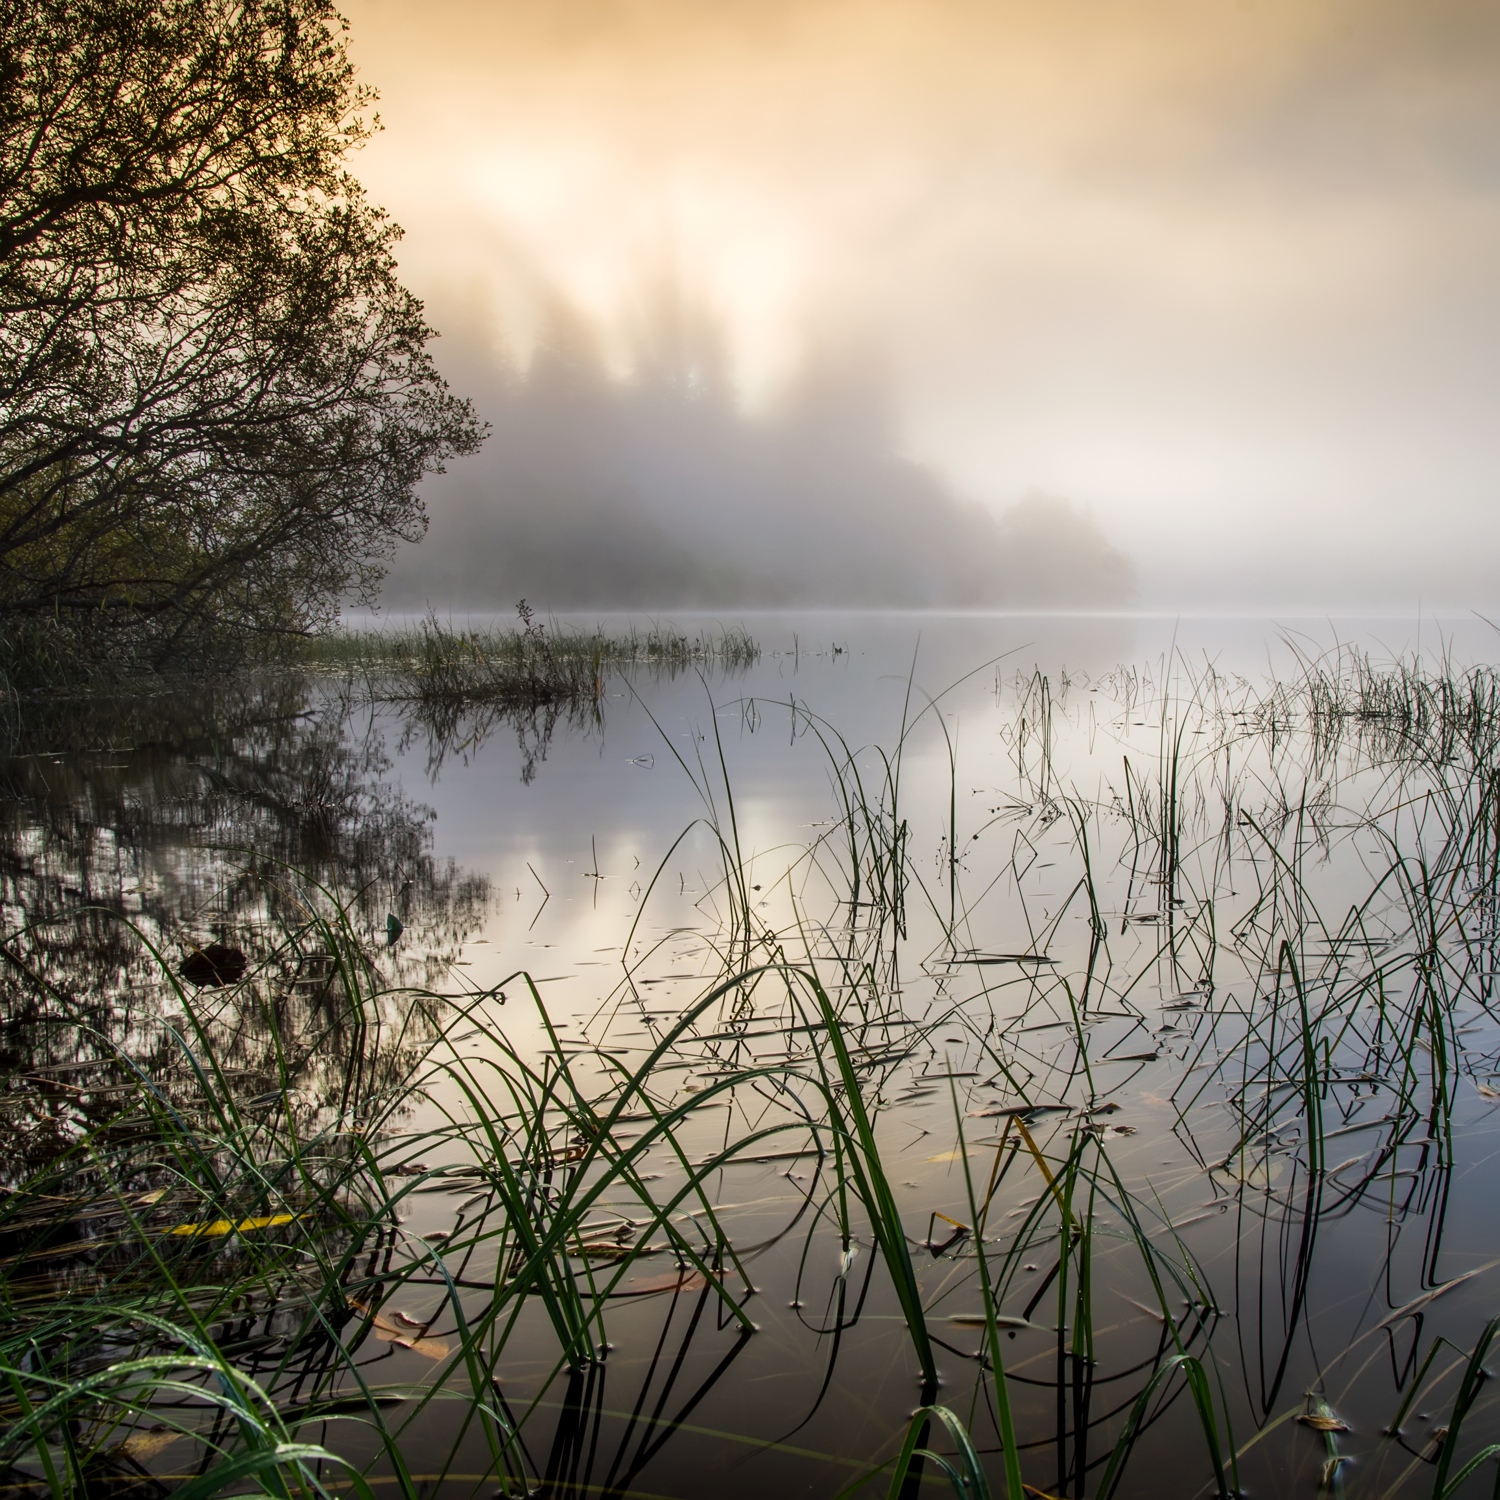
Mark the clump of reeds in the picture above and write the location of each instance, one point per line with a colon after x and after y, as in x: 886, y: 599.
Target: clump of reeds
x: 526, y: 665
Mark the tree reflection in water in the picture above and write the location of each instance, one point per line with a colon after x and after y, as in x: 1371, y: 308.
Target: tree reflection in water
x: 159, y: 825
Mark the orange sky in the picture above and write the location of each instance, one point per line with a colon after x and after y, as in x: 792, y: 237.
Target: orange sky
x: 1226, y: 271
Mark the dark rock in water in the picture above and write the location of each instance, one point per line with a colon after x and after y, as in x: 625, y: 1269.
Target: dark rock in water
x: 214, y: 965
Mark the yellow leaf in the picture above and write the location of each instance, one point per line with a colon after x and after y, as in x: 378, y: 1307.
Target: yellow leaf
x: 233, y: 1226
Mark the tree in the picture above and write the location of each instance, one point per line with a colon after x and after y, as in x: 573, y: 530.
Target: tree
x: 216, y: 400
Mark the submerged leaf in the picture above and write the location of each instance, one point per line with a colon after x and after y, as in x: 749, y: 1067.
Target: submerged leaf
x: 1002, y: 1320
x: 680, y: 1281
x: 143, y: 1445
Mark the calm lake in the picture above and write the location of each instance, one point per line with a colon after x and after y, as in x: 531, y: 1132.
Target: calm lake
x: 1117, y: 992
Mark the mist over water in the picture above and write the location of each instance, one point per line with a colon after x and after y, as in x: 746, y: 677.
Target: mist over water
x: 656, y: 488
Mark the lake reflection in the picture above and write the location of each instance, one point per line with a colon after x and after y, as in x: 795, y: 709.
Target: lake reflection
x: 1133, y: 881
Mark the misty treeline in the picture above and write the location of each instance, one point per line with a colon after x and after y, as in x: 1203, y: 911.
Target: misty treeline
x: 655, y: 487
x: 215, y: 396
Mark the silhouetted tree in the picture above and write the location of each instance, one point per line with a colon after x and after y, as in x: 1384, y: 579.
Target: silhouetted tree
x: 215, y: 395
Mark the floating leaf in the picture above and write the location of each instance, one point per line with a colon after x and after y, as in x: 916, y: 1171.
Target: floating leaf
x: 1002, y: 1320
x: 235, y: 1226
x: 683, y: 1281
x: 604, y: 1250
x: 1323, y: 1421
x: 389, y: 1333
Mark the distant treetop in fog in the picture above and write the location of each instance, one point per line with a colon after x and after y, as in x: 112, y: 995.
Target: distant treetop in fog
x: 659, y: 490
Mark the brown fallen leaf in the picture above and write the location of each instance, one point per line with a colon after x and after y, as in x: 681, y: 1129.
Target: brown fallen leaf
x: 603, y: 1250
x: 389, y: 1333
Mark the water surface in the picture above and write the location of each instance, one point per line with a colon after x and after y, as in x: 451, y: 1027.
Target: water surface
x: 1150, y: 932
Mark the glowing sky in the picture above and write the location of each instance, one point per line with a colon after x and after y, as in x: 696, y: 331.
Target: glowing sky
x: 1225, y: 271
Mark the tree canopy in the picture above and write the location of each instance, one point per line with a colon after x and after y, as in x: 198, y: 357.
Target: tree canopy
x: 216, y: 399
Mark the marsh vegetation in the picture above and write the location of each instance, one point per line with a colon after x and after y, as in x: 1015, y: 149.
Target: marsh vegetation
x: 1114, y: 1142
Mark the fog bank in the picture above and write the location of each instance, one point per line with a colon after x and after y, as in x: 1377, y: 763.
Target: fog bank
x: 656, y: 489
